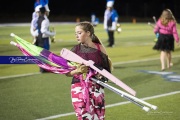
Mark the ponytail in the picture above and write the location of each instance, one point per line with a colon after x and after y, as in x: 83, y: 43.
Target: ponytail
x: 95, y: 39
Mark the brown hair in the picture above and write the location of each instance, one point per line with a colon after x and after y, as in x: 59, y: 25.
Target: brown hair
x: 166, y: 17
x: 87, y: 26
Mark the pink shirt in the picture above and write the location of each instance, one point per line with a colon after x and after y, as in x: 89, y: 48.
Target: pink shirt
x: 169, y: 29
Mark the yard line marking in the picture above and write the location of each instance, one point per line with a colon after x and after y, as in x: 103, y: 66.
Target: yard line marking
x: 111, y: 105
x: 146, y: 98
x: 21, y: 75
x: 144, y: 60
x: 57, y: 116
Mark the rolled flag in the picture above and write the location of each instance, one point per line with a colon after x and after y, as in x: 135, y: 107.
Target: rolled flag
x: 42, y: 57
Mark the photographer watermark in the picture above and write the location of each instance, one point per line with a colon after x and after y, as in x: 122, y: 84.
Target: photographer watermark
x: 18, y: 59
x: 160, y: 113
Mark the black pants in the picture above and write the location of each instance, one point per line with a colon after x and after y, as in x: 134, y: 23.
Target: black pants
x: 44, y: 43
x: 111, y: 38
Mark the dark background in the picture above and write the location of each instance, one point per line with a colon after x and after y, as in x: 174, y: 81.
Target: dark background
x: 69, y: 10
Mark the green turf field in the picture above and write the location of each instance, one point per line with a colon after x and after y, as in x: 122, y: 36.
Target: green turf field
x: 44, y: 95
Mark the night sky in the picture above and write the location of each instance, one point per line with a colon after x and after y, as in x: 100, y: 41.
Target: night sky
x: 125, y: 8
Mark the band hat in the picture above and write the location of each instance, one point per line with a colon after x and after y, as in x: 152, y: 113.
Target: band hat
x: 47, y: 8
x: 110, y: 3
x: 37, y: 9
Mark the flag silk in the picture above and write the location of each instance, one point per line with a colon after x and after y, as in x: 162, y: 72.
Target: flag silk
x: 44, y: 58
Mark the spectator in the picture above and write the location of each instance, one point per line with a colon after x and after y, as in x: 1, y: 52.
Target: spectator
x: 166, y: 27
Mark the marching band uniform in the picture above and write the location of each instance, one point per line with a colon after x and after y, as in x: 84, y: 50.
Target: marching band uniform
x: 110, y: 22
x: 43, y: 30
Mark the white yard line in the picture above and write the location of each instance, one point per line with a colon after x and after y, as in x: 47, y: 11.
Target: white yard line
x: 144, y: 60
x: 21, y: 75
x: 111, y: 105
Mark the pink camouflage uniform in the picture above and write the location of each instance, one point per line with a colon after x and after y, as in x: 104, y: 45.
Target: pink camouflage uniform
x: 87, y: 96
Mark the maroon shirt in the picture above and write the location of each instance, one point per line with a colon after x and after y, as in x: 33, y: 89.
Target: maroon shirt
x: 88, y: 53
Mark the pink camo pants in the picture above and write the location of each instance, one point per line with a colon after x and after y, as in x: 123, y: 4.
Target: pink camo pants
x: 97, y: 102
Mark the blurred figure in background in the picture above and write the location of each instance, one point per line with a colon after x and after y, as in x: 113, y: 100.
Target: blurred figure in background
x: 33, y: 28
x: 36, y: 4
x: 110, y: 21
x: 43, y: 30
x: 94, y: 20
x: 166, y: 27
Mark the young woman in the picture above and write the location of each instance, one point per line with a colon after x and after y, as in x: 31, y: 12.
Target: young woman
x: 166, y: 27
x: 88, y: 101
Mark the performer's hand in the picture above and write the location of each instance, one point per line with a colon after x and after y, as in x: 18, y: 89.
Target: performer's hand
x: 98, y: 76
x: 34, y: 41
x: 52, y: 39
x: 82, y: 68
x: 53, y: 36
x: 101, y: 78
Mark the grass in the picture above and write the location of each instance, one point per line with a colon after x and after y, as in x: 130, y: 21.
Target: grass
x: 43, y: 95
